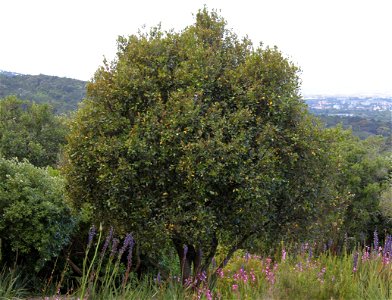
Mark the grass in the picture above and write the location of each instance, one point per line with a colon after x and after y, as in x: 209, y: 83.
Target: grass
x: 299, y: 276
x: 361, y: 274
x: 12, y: 286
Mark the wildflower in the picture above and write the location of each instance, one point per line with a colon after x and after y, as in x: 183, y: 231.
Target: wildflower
x: 320, y: 275
x: 127, y: 241
x: 310, y: 254
x: 366, y: 254
x: 202, y: 276
x: 91, y: 234
x: 268, y: 261
x: 245, y: 278
x: 188, y: 281
x: 236, y: 276
x: 386, y: 259
x: 158, y: 279
x: 114, y: 247
x: 208, y: 294
x: 235, y: 287
x: 247, y: 256
x: 355, y: 262
x: 298, y: 267
x: 275, y: 267
x: 252, y: 275
x: 388, y: 245
x: 306, y: 246
x: 107, y: 241
x: 284, y: 253
x: 271, y: 277
x: 387, y: 251
x: 220, y: 273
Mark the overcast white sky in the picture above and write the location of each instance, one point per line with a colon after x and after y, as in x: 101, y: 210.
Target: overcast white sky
x: 342, y: 46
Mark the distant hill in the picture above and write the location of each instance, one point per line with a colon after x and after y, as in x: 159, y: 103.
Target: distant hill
x: 63, y: 94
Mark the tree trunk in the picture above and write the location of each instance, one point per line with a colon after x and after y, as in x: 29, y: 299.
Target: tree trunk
x: 197, y: 268
x: 190, y: 260
x: 184, y: 258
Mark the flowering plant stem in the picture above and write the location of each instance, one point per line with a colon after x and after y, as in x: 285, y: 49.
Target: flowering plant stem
x: 86, y: 274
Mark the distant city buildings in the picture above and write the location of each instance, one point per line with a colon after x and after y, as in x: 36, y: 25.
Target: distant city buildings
x: 349, y: 103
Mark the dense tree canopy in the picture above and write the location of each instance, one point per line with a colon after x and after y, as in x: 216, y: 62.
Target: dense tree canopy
x: 197, y: 138
x: 365, y: 169
x: 30, y: 131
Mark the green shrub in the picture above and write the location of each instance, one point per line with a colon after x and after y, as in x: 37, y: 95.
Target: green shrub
x: 35, y: 223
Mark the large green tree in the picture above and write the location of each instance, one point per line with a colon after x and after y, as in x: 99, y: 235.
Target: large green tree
x: 30, y: 131
x: 197, y: 138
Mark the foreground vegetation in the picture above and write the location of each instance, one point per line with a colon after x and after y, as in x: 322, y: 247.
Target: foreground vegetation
x: 300, y: 272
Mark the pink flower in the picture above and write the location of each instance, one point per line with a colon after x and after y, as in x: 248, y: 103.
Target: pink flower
x: 220, y: 273
x: 208, y: 294
x: 252, y: 274
x: 366, y: 254
x: 320, y: 275
x: 284, y: 253
x: 235, y: 287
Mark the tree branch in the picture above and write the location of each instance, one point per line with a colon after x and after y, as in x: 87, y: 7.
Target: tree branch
x: 234, y: 248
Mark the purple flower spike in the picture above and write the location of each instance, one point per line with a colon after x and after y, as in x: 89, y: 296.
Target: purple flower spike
x: 310, y: 254
x: 114, y: 247
x: 127, y: 242
x: 107, y: 241
x: 159, y: 278
x: 355, y: 262
x: 247, y: 256
x: 91, y: 234
x: 388, y: 245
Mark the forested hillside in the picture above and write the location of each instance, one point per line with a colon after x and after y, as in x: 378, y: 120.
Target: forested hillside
x: 63, y: 94
x: 362, y: 127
